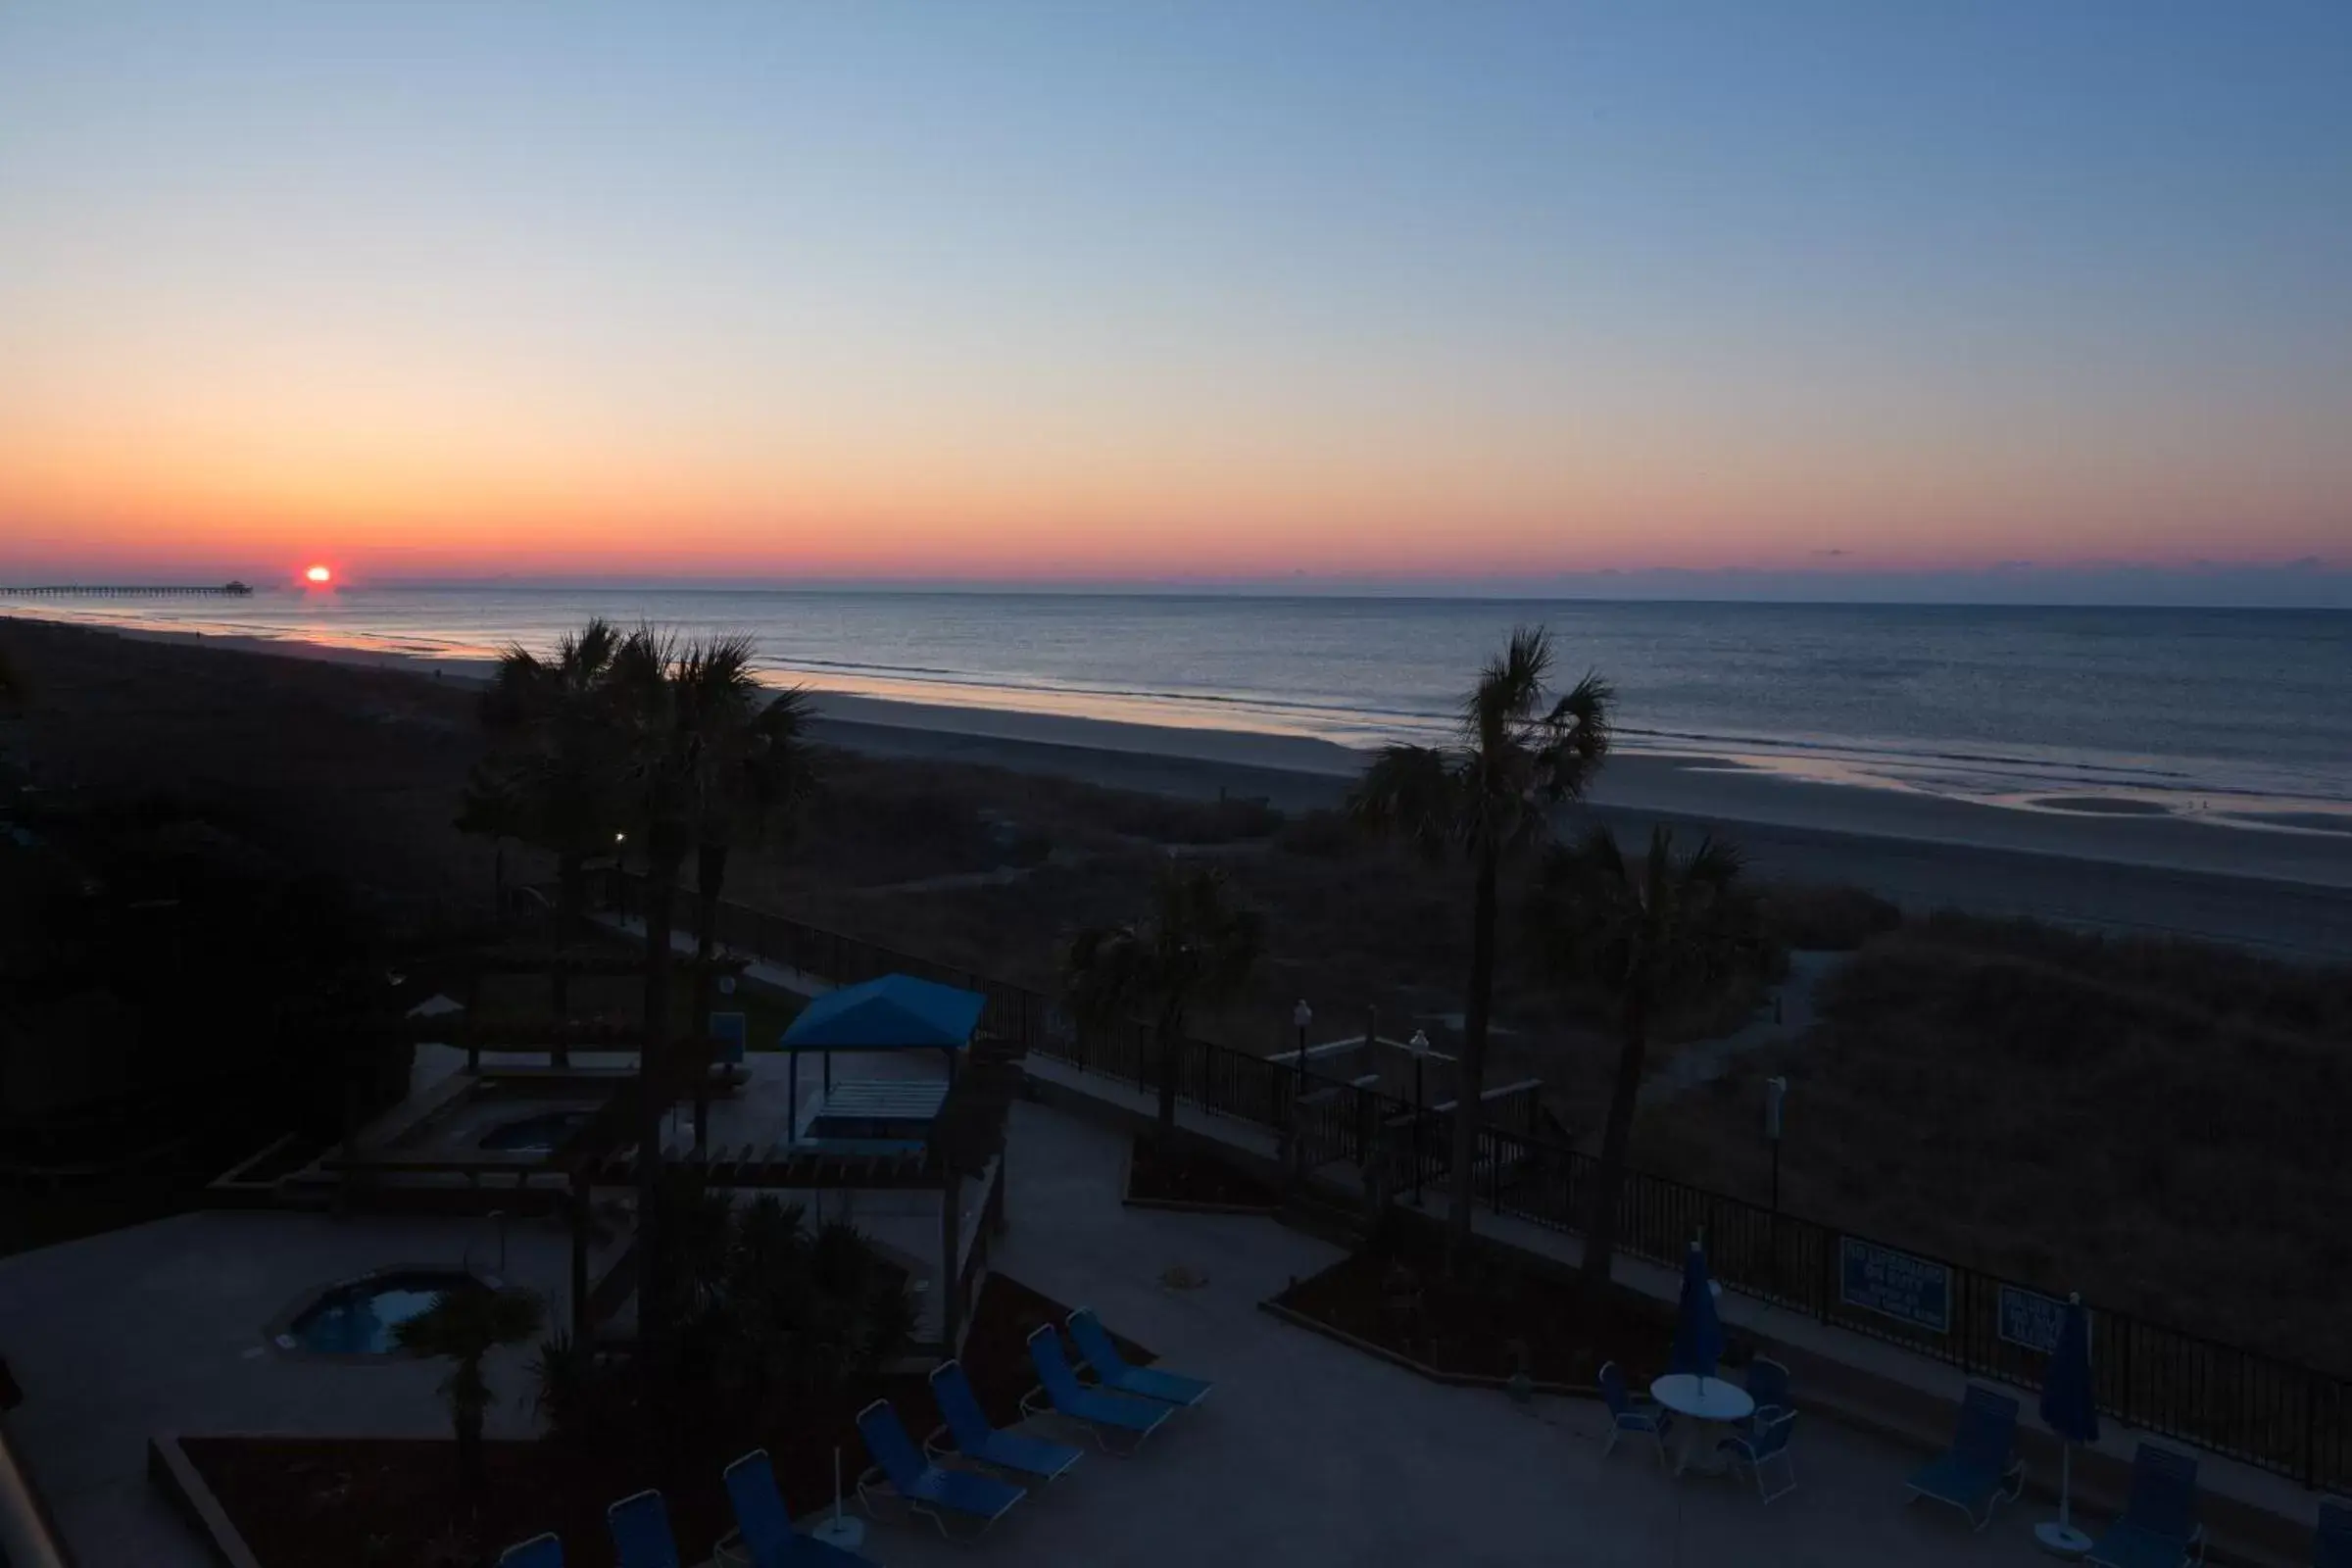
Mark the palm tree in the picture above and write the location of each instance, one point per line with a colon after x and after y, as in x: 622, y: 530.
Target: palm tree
x: 556, y: 776
x: 494, y: 806
x: 1195, y: 946
x: 1641, y: 938
x: 756, y: 777
x: 675, y: 706
x: 1487, y: 794
x: 464, y: 1326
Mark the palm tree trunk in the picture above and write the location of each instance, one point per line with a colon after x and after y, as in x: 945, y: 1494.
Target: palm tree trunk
x: 653, y: 1091
x: 1471, y: 1081
x: 1616, y: 1142
x: 710, y: 874
x: 570, y: 893
x: 468, y: 1398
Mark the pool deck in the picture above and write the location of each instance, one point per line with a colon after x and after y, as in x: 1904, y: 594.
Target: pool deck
x: 1307, y: 1453
x: 1310, y: 1454
x: 161, y: 1328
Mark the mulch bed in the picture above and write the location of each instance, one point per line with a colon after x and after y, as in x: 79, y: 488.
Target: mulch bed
x: 384, y: 1502
x: 1187, y: 1176
x: 1400, y: 1296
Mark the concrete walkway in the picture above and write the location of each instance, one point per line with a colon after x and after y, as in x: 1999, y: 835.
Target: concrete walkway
x: 1706, y: 1060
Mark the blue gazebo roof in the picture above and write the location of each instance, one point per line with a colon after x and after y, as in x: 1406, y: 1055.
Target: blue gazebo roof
x: 897, y: 1012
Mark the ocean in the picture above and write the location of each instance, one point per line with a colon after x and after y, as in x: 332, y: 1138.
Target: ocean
x: 2236, y: 714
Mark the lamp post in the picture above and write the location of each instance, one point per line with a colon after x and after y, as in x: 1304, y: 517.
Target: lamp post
x: 1419, y: 1047
x: 1776, y: 1091
x: 1301, y: 1017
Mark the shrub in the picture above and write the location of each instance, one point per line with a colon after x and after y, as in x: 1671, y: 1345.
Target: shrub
x: 1824, y: 918
x: 1322, y: 834
x: 765, y: 1312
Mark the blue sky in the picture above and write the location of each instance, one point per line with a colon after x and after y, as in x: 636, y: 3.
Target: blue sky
x: 1161, y: 290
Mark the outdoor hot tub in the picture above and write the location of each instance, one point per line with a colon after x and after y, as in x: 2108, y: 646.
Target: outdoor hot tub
x: 540, y: 1133
x: 357, y: 1317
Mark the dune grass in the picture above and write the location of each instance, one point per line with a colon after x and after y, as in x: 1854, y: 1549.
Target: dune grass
x: 2159, y: 1125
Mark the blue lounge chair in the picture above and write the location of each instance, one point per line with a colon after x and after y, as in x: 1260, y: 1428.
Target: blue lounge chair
x: 1765, y: 1448
x: 1101, y: 1414
x: 763, y: 1525
x: 2332, y: 1545
x: 1981, y: 1467
x: 1627, y: 1414
x: 641, y: 1535
x: 975, y: 1440
x: 2159, y: 1528
x: 923, y: 1487
x: 1114, y: 1372
x: 540, y: 1551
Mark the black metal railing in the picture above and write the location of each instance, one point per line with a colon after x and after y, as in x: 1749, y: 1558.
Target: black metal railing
x: 2292, y: 1419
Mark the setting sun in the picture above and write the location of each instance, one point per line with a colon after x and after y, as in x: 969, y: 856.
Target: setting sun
x: 319, y: 574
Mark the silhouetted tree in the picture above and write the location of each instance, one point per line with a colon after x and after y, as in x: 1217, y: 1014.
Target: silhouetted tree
x: 464, y: 1326
x: 1489, y: 794
x: 755, y: 777
x: 1641, y: 937
x: 1195, y: 946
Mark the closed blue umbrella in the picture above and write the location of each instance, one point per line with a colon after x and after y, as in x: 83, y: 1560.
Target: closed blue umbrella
x: 1697, y: 1332
x: 2067, y: 1405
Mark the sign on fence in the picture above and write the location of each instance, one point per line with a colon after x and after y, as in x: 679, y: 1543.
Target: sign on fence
x: 1909, y: 1289
x: 2030, y: 1318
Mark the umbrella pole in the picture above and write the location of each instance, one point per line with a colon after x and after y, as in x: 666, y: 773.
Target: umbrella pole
x: 2066, y: 1485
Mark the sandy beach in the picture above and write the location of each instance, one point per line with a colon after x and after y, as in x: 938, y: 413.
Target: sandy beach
x: 2281, y: 888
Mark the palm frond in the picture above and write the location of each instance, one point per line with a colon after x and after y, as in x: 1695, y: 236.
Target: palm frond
x: 1648, y: 930
x: 1196, y: 945
x: 1413, y: 793
x: 465, y: 1325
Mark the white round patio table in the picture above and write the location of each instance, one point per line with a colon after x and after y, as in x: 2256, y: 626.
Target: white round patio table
x: 1707, y: 1405
x: 2061, y: 1541
x: 845, y: 1531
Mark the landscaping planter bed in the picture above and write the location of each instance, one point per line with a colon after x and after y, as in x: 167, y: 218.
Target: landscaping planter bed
x: 1396, y: 1300
x: 1187, y: 1177
x: 386, y: 1502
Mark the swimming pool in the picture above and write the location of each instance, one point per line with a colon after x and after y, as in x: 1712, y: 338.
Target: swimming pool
x: 357, y: 1319
x: 541, y: 1134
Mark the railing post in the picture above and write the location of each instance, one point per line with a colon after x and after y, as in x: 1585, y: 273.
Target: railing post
x: 1827, y: 1281
x: 2311, y: 1430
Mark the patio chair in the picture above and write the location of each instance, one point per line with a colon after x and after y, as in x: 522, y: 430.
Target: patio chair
x: 1628, y: 1414
x: 923, y: 1487
x: 540, y: 1551
x: 2159, y: 1525
x: 763, y: 1534
x: 1767, y: 1447
x: 1768, y: 1386
x: 1101, y: 1413
x: 1113, y: 1371
x: 1981, y: 1467
x: 967, y: 1425
x: 641, y: 1534
x: 2331, y: 1543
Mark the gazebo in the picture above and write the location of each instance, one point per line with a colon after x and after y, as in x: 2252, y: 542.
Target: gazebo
x: 893, y: 1015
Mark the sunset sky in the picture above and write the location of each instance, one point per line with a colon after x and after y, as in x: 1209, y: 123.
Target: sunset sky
x: 1149, y: 289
